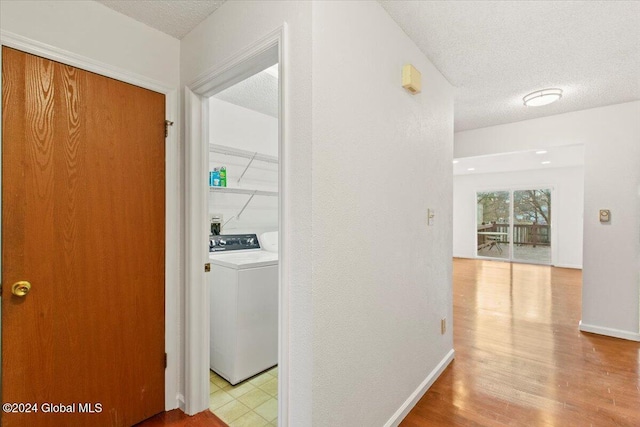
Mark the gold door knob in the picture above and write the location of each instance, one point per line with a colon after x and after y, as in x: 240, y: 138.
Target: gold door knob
x: 21, y: 288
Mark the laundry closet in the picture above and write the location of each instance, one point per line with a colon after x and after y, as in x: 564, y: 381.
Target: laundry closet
x: 243, y: 241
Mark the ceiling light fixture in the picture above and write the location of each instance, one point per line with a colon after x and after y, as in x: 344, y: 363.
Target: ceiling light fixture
x: 542, y: 97
x: 471, y: 169
x: 455, y: 161
x: 546, y: 162
x: 541, y: 152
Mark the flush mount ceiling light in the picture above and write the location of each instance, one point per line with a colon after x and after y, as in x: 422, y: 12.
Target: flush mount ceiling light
x: 542, y: 97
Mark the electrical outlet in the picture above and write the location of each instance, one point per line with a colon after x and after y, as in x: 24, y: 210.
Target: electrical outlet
x: 443, y: 325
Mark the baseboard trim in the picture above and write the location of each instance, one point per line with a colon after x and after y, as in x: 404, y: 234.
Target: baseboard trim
x: 610, y: 332
x: 411, y: 401
x: 574, y: 266
x: 181, y: 404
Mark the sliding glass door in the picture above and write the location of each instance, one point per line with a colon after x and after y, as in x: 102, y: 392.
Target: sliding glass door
x: 514, y: 225
x: 494, y: 213
x: 531, y: 226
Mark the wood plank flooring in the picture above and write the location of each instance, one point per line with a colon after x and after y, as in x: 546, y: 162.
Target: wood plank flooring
x: 177, y: 418
x: 521, y: 360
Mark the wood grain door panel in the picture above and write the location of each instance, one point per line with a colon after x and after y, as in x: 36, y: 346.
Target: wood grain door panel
x: 83, y: 208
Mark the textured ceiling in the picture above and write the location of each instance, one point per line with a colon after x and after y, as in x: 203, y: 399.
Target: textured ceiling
x: 495, y: 52
x: 173, y: 17
x: 492, y: 52
x: 258, y: 93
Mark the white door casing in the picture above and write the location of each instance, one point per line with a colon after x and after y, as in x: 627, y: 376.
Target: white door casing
x: 172, y: 189
x: 263, y: 53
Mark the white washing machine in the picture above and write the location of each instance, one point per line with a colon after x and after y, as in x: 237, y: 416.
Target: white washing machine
x: 244, y: 307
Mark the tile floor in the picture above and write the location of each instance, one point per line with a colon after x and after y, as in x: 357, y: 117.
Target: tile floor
x: 251, y: 403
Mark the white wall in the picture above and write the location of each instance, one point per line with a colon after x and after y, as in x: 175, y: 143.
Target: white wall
x: 372, y: 324
x: 238, y: 127
x: 121, y: 44
x: 611, y: 253
x: 566, y: 209
x: 232, y: 28
x: 92, y: 30
x: 381, y: 158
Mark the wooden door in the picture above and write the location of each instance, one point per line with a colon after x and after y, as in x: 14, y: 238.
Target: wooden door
x: 83, y: 214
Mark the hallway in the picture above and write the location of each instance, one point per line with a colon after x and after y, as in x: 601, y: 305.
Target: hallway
x: 520, y: 359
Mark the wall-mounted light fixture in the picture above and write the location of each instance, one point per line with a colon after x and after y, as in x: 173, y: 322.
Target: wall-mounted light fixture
x: 411, y: 79
x: 542, y: 97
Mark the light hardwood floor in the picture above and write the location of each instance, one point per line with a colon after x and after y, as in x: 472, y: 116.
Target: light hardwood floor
x: 177, y: 418
x: 521, y: 360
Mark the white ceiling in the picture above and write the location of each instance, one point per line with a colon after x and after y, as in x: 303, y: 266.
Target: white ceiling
x: 495, y: 52
x: 258, y: 93
x: 492, y: 52
x: 173, y: 17
x: 557, y: 157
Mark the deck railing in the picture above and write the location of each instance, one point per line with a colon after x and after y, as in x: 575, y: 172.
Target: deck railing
x: 523, y: 234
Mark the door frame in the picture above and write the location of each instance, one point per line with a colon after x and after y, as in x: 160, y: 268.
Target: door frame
x: 172, y: 396
x: 511, y: 189
x: 225, y: 73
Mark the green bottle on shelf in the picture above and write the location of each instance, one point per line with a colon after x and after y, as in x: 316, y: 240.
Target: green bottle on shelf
x: 223, y: 176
